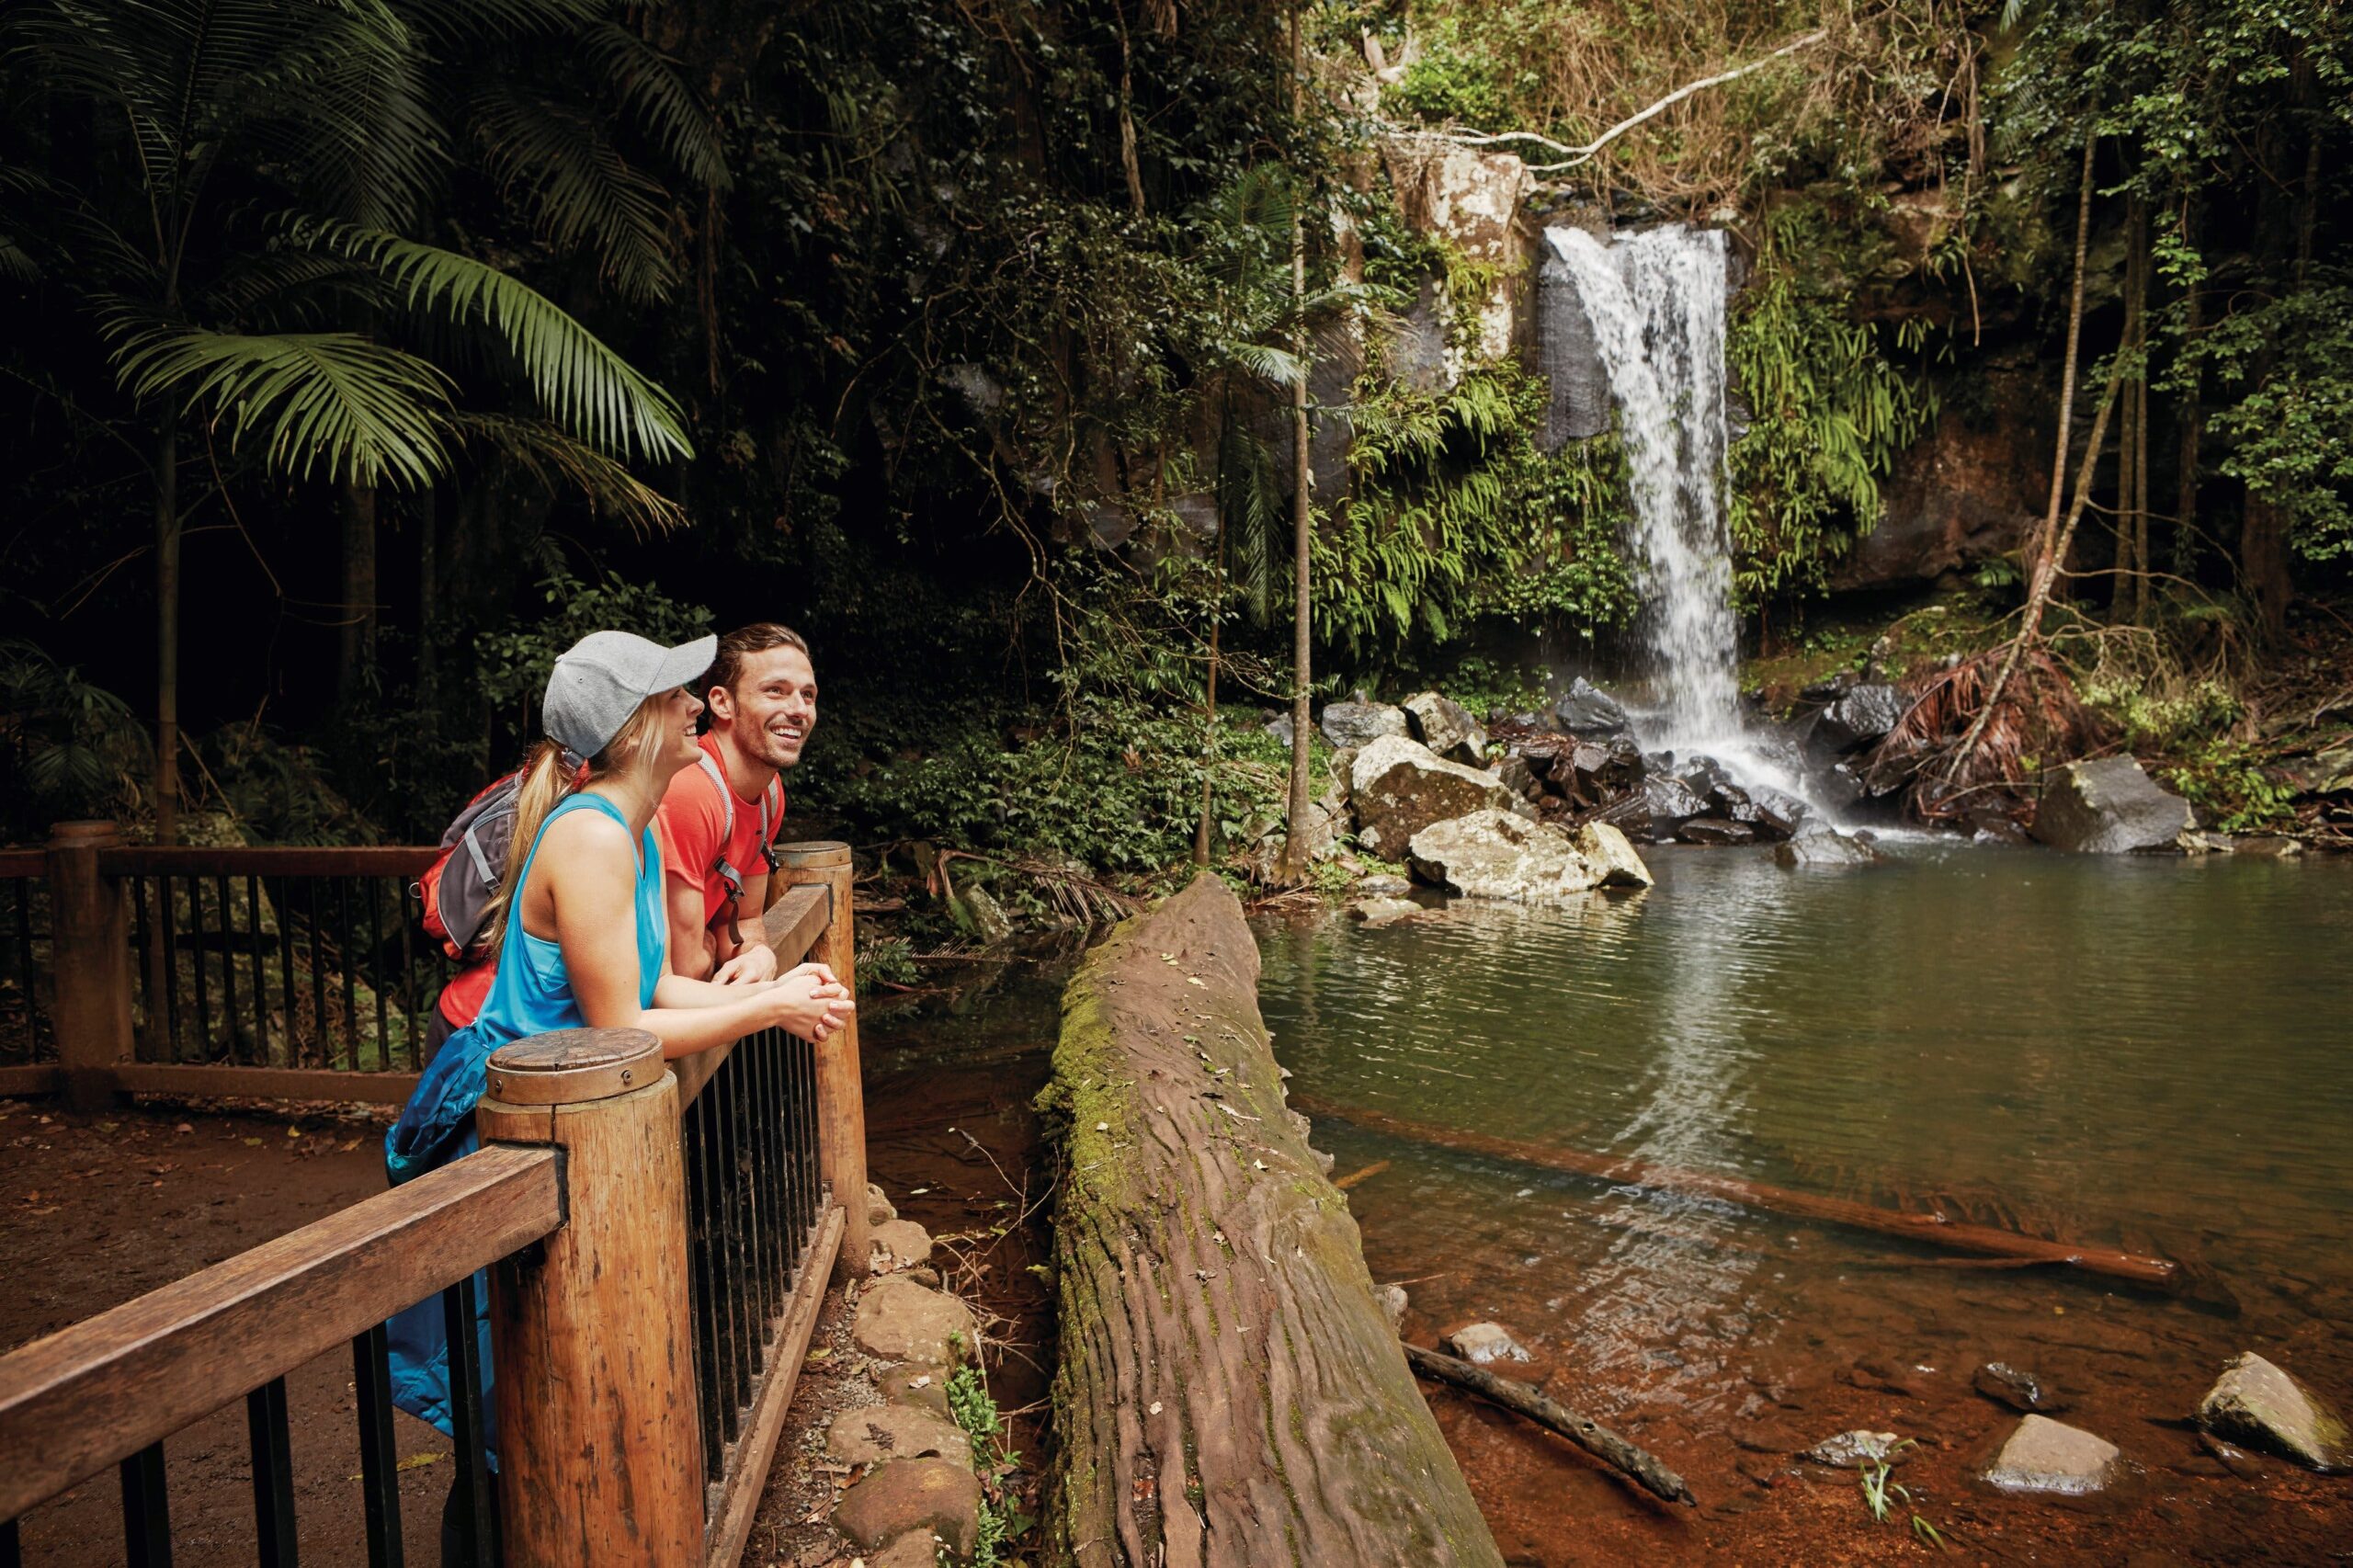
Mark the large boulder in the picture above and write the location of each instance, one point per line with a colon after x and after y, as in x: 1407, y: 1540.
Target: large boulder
x: 1861, y: 715
x: 1604, y: 849
x: 899, y: 1320
x: 1447, y: 728
x: 1359, y: 723
x: 1493, y: 854
x: 1825, y: 849
x: 1400, y: 787
x: 2262, y: 1407
x: 904, y: 1496
x: 1585, y: 709
x: 2048, y: 1456
x: 1600, y: 769
x: 1662, y: 805
x: 2108, y: 807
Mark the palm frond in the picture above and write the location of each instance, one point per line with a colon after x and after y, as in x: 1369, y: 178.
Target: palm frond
x: 471, y: 22
x: 584, y: 386
x: 560, y: 462
x: 332, y: 405
x: 1277, y: 367
x: 582, y: 193
x: 648, y: 83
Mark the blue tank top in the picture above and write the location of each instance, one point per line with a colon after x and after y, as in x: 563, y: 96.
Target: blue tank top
x: 531, y: 994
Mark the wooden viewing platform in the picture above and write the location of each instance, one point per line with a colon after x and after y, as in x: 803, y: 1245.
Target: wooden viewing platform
x: 657, y: 1237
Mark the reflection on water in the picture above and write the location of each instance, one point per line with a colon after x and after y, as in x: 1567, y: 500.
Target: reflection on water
x: 2148, y: 1053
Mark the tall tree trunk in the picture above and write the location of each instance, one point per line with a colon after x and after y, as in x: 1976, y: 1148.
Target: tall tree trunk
x: 167, y: 629
x: 1303, y: 525
x: 1209, y: 711
x: 1127, y: 162
x: 2129, y: 596
x: 2043, y: 544
x: 356, y: 653
x: 2191, y: 418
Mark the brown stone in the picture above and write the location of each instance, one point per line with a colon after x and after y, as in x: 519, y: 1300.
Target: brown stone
x: 902, y: 1320
x: 916, y: 1548
x: 899, y: 1244
x: 1400, y: 787
x: 875, y: 1433
x: 909, y: 1495
x: 923, y: 1387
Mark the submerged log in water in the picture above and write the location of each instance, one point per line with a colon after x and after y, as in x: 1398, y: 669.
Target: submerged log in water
x: 1929, y: 1229
x: 1526, y: 1399
x: 1230, y: 1392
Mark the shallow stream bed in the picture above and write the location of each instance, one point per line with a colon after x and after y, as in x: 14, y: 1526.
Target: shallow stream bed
x: 2150, y: 1054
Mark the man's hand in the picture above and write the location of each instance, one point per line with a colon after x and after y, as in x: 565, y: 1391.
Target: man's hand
x: 756, y: 962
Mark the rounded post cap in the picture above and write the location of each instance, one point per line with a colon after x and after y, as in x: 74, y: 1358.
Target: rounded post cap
x: 569, y: 1066
x: 813, y: 855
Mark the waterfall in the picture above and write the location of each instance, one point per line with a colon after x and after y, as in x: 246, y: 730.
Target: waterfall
x: 1656, y: 304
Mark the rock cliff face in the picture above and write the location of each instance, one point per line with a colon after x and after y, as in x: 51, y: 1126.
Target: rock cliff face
x: 1471, y: 199
x: 1964, y: 493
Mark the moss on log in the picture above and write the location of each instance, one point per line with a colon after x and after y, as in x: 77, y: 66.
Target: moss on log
x: 1229, y: 1392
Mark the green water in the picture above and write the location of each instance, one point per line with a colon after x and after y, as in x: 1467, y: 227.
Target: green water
x: 2154, y: 1053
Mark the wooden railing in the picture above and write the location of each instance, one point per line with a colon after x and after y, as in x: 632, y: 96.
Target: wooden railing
x: 660, y: 1239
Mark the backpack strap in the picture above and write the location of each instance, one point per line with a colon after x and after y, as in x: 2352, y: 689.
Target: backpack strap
x: 482, y: 867
x: 768, y: 823
x: 729, y: 876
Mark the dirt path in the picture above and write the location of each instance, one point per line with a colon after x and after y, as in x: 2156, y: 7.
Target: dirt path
x: 97, y: 1209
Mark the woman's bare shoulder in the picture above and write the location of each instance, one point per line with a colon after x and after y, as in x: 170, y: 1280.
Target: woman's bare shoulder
x: 590, y: 835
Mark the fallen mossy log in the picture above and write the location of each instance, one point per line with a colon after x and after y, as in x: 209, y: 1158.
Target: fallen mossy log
x: 1526, y: 1399
x: 1929, y: 1229
x: 1229, y: 1391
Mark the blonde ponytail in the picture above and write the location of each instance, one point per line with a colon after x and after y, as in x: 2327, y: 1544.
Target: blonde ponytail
x: 544, y: 782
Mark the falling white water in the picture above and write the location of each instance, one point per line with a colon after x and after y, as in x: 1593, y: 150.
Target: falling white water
x: 1655, y: 301
x: 1656, y: 304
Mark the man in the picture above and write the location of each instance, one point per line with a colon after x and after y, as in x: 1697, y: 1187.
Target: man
x: 717, y: 824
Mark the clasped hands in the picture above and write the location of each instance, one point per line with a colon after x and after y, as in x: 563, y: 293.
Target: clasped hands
x: 810, y: 1002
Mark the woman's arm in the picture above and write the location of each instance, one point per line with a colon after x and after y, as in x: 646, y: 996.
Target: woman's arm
x: 587, y: 873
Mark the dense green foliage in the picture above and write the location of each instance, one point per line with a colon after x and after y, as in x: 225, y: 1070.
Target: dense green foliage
x: 963, y: 337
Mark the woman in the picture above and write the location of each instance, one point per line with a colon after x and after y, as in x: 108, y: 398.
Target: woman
x: 582, y: 932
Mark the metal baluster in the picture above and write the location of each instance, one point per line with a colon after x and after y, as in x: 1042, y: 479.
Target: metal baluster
x: 702, y: 1284
x: 319, y: 978
x: 203, y: 980
x: 780, y: 1200
x: 479, y: 1544
x: 408, y: 987
x: 739, y: 1305
x: 773, y: 1240
x: 350, y: 999
x: 286, y: 991
x: 146, y: 1512
x: 813, y: 1192
x: 228, y: 966
x: 745, y: 1103
x: 168, y: 919
x: 261, y: 975
x: 371, y: 1374
x: 141, y: 935
x: 273, y: 1473
x: 376, y: 967
x: 735, y: 1376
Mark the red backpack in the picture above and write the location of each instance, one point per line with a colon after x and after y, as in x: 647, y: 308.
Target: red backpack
x: 458, y: 887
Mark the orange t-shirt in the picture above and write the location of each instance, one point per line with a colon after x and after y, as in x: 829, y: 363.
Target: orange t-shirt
x: 690, y: 823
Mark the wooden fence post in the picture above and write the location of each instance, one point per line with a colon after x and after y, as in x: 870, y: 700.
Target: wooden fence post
x: 90, y: 955
x: 841, y: 1095
x: 600, y: 1430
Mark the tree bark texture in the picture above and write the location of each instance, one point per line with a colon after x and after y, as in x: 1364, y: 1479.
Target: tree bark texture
x: 1229, y: 1392
x: 2067, y: 368
x: 1303, y: 522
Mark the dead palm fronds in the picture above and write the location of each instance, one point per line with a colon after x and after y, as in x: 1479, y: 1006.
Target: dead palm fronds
x: 1963, y: 741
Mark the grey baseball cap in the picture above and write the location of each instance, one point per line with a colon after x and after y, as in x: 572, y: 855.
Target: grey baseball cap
x: 600, y: 681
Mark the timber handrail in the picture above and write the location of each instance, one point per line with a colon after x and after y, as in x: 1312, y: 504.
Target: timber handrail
x: 267, y: 860
x: 791, y: 927
x: 104, y: 1389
